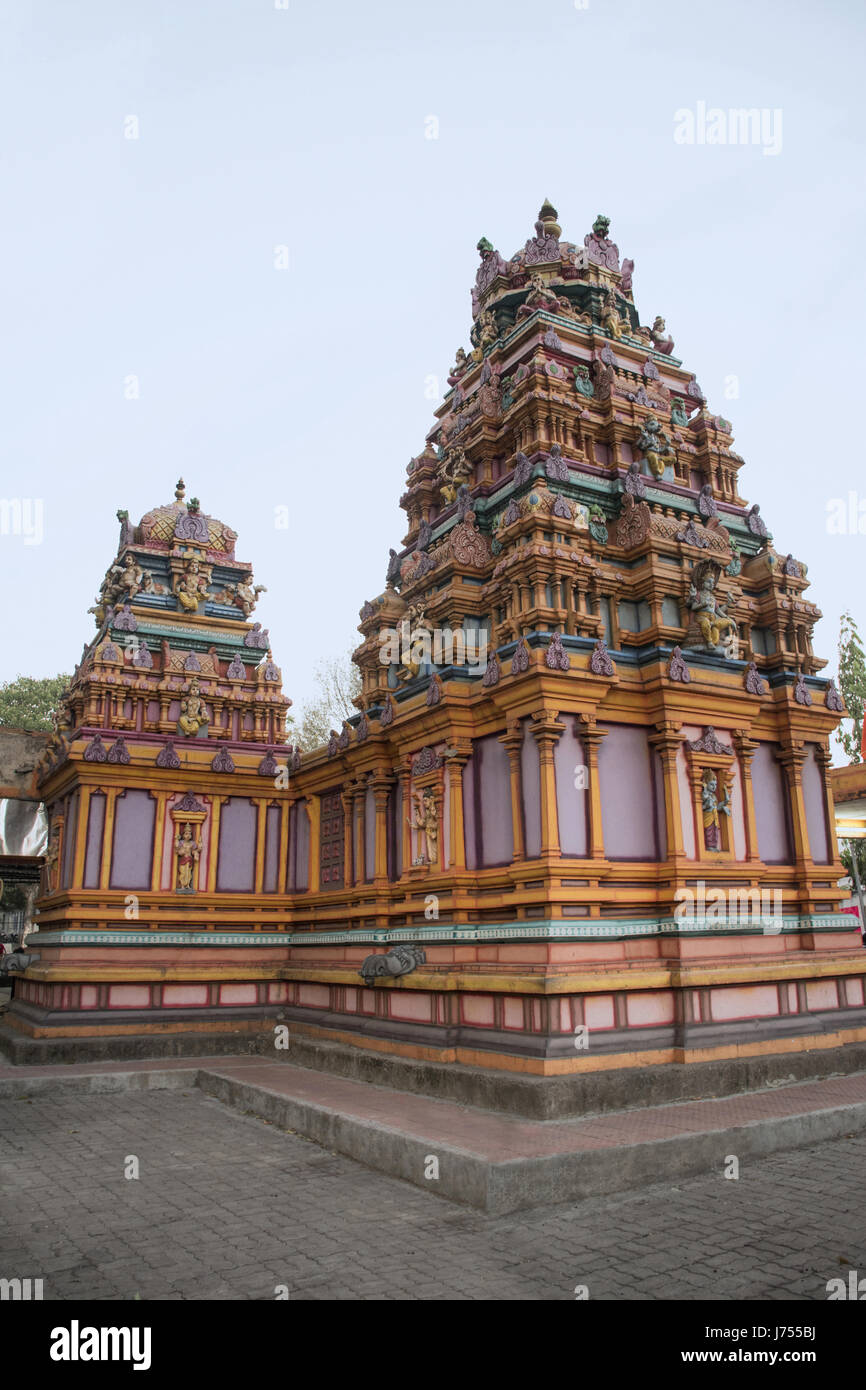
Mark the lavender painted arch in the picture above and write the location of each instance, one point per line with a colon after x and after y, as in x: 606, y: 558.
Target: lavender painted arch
x: 628, y: 797
x: 299, y: 848
x: 494, y: 831
x: 132, y: 848
x: 236, y: 864
x: 95, y: 828
x: 272, y: 849
x: 772, y: 812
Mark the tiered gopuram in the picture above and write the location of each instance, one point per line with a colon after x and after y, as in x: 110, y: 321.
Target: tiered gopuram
x: 582, y: 817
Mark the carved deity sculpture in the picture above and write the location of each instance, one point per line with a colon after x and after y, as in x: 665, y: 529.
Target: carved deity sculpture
x: 454, y: 470
x: 129, y: 577
x: 610, y: 315
x: 191, y: 587
x: 193, y: 711
x: 656, y: 446
x: 426, y: 819
x: 712, y: 618
x: 245, y: 595
x: 461, y: 362
x: 419, y: 629
x: 661, y: 342
x: 710, y: 808
x: 187, y: 853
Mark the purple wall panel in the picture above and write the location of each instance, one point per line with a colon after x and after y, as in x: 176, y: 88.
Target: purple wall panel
x: 530, y: 777
x: 302, y: 848
x: 95, y: 826
x: 237, y: 848
x: 293, y: 830
x: 132, y: 850
x: 771, y: 812
x: 493, y: 799
x: 571, y: 799
x: 628, y: 805
x: 816, y: 806
x: 272, y: 849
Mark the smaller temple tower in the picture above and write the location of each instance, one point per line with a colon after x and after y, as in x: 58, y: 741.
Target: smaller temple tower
x: 162, y: 784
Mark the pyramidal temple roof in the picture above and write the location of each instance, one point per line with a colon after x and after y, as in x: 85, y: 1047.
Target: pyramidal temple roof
x: 572, y: 448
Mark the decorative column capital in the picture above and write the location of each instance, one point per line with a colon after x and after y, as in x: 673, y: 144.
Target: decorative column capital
x: 792, y: 755
x: 824, y: 756
x: 457, y: 753
x: 547, y: 728
x: 589, y: 731
x: 745, y: 746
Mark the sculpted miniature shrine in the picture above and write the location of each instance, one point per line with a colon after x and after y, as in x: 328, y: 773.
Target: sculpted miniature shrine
x: 591, y: 744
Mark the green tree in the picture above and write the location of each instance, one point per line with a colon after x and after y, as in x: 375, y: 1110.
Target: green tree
x: 339, y: 682
x: 852, y: 684
x: 28, y: 703
x: 845, y: 856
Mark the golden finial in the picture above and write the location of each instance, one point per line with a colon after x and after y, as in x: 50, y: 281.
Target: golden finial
x: 548, y: 216
x: 179, y: 491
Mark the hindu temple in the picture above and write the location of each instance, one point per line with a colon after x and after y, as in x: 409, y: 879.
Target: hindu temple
x: 581, y: 819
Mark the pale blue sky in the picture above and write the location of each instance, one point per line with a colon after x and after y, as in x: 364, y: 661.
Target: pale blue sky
x: 305, y: 127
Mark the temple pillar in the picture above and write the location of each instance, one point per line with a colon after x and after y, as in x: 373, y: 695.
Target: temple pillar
x: 462, y: 751
x: 547, y: 730
x: 381, y: 782
x: 406, y: 784
x: 347, y: 801
x: 666, y: 741
x: 111, y: 796
x: 314, y: 815
x: 359, y: 823
x: 746, y: 747
x: 261, y: 835
x: 591, y: 736
x: 81, y: 837
x: 158, y: 837
x: 513, y: 743
x: 283, y: 864
x: 214, y: 842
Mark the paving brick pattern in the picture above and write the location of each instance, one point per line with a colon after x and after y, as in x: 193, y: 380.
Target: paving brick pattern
x: 228, y: 1207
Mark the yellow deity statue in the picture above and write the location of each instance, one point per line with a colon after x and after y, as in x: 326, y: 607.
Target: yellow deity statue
x: 193, y: 711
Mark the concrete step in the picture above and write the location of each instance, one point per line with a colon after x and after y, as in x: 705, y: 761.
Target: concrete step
x: 502, y: 1163
x: 491, y: 1161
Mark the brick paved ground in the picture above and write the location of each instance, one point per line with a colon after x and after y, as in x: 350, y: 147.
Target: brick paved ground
x: 229, y: 1207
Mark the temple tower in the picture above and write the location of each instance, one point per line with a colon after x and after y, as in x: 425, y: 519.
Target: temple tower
x: 581, y: 819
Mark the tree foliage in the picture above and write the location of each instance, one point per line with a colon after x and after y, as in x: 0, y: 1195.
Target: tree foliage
x: 338, y: 681
x: 845, y: 856
x: 28, y: 703
x: 852, y: 684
